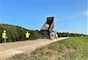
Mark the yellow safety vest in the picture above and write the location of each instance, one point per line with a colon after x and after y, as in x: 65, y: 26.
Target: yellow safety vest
x: 3, y: 35
x: 27, y: 35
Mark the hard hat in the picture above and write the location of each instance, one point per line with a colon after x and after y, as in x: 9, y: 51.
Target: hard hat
x: 4, y: 31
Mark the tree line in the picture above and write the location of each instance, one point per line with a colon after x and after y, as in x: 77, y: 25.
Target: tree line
x: 67, y: 34
x: 17, y: 33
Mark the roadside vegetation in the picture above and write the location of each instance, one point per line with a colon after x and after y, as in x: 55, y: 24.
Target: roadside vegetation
x: 17, y: 33
x: 74, y: 48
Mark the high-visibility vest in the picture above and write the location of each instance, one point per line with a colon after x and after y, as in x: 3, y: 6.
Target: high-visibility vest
x: 27, y: 35
x: 3, y: 35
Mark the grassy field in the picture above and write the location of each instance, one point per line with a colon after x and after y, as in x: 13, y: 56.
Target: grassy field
x: 74, y: 48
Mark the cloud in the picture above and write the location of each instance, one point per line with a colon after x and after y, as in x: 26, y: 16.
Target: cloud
x: 84, y: 13
x: 74, y: 16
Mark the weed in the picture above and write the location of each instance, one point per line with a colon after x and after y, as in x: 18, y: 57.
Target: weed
x: 74, y: 48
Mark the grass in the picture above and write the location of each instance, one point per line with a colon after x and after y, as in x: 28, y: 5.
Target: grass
x: 74, y: 48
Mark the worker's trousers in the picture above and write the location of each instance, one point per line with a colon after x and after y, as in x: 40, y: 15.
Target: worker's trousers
x: 4, y: 40
x: 27, y: 38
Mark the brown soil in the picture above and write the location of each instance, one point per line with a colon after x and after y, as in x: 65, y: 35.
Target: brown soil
x: 12, y: 48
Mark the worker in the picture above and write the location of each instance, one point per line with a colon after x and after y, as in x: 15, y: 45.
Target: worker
x: 27, y: 35
x: 4, y: 36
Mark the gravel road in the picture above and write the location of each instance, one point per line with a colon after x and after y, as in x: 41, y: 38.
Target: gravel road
x: 12, y: 48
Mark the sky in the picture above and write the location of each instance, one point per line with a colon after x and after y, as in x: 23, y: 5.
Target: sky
x: 69, y: 15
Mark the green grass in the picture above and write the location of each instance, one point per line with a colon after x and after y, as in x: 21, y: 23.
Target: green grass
x: 74, y: 48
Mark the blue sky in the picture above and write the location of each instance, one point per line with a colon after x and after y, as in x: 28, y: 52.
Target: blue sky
x: 70, y: 15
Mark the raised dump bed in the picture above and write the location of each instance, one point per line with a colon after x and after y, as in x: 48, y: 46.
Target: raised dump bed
x: 47, y: 28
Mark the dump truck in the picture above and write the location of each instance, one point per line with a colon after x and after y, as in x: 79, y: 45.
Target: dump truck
x: 47, y: 29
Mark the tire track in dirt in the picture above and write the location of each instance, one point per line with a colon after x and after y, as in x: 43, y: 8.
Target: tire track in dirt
x: 12, y: 48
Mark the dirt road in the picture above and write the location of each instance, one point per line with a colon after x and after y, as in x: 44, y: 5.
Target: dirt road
x: 12, y: 48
